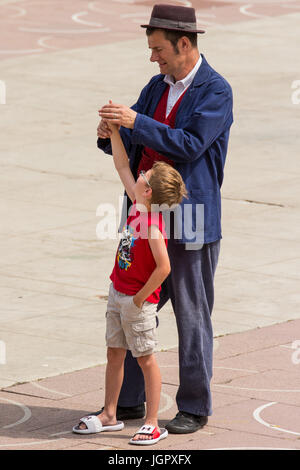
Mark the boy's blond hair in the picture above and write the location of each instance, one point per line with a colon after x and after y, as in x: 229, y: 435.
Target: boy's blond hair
x: 167, y: 185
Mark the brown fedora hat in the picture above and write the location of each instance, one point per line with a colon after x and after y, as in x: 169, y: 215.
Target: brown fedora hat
x: 173, y: 18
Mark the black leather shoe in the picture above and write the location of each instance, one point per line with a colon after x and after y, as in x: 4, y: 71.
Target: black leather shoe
x: 131, y: 412
x: 185, y: 423
x: 127, y: 412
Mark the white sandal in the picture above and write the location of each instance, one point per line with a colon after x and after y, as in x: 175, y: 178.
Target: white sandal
x: 149, y: 431
x: 94, y: 425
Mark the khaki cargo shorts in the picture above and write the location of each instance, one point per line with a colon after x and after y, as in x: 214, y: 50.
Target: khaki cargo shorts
x: 128, y: 326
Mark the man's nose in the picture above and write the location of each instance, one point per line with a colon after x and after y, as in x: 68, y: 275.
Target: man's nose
x: 153, y: 57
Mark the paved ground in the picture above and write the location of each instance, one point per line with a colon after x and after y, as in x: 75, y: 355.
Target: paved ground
x: 58, y: 65
x: 256, y: 393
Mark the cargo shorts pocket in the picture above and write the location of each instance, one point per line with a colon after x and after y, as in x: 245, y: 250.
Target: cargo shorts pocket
x: 133, y: 306
x: 130, y: 311
x: 144, y: 335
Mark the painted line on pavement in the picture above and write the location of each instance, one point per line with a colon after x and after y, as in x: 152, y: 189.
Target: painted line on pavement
x: 29, y: 443
x: 64, y: 31
x: 257, y: 417
x: 50, y: 390
x: 21, y: 11
x: 169, y: 403
x: 26, y: 410
x: 41, y: 42
x: 244, y: 10
x: 76, y: 18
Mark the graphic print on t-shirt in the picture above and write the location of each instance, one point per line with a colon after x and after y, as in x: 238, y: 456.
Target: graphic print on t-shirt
x: 125, y: 255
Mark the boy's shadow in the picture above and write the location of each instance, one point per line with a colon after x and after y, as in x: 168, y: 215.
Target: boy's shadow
x: 46, y: 423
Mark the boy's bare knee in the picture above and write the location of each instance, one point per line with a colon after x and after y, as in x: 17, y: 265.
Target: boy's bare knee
x: 116, y: 355
x: 146, y: 361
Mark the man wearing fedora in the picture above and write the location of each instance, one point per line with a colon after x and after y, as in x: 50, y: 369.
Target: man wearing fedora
x: 182, y: 116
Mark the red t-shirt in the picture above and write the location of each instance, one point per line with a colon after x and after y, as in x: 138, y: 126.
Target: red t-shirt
x: 134, y: 261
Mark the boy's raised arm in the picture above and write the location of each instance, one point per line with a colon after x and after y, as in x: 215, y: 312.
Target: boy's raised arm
x: 121, y: 161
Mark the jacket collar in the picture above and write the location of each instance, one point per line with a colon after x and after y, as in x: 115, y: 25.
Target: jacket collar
x: 201, y: 76
x: 203, y: 73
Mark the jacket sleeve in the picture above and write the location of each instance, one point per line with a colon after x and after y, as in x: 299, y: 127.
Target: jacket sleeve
x: 210, y: 117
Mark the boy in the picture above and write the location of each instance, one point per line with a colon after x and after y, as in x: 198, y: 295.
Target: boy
x: 141, y: 265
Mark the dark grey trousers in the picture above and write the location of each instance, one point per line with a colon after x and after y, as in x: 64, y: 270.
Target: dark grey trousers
x: 190, y: 287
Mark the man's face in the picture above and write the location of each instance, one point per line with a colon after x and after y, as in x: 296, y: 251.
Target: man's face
x: 169, y: 61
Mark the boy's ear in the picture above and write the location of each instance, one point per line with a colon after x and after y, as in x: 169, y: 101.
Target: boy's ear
x: 148, y: 193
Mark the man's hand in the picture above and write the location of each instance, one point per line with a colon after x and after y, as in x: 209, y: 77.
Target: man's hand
x: 118, y: 114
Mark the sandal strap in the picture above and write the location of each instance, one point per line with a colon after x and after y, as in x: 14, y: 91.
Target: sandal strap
x: 91, y: 423
x: 147, y: 430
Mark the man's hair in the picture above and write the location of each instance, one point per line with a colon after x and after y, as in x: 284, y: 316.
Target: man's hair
x: 174, y: 36
x: 167, y: 185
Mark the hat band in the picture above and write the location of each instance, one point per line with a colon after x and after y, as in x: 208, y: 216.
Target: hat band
x: 160, y: 22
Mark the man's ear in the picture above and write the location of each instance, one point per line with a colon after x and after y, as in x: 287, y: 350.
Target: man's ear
x: 184, y: 43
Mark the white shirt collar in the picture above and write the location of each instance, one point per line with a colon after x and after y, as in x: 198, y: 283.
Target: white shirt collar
x: 186, y: 81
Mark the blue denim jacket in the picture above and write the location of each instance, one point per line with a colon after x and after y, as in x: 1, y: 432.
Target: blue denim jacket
x: 198, y: 146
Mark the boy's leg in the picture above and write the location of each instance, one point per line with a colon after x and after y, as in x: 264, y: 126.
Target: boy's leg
x: 152, y: 379
x: 134, y: 397
x: 115, y: 338
x: 139, y: 326
x: 113, y: 382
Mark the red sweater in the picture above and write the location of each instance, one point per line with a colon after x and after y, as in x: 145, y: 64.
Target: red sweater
x: 149, y: 156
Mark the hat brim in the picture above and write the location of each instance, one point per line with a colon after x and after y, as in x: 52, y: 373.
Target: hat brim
x: 199, y: 31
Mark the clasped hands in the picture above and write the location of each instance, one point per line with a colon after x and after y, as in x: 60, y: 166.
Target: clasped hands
x: 115, y: 114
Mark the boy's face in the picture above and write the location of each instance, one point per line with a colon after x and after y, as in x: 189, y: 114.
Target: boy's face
x: 141, y: 187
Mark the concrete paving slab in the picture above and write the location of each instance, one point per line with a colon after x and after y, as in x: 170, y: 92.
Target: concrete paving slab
x: 27, y: 360
x: 280, y: 299
x: 27, y: 218
x: 267, y: 222
x: 280, y: 356
x: 279, y: 334
x: 222, y: 398
x: 44, y: 286
x: 287, y: 268
x: 275, y: 385
x: 90, y: 331
x: 262, y: 251
x: 64, y: 385
x: 64, y: 268
x: 264, y: 191
x: 27, y: 303
x: 236, y: 418
x: 237, y: 321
